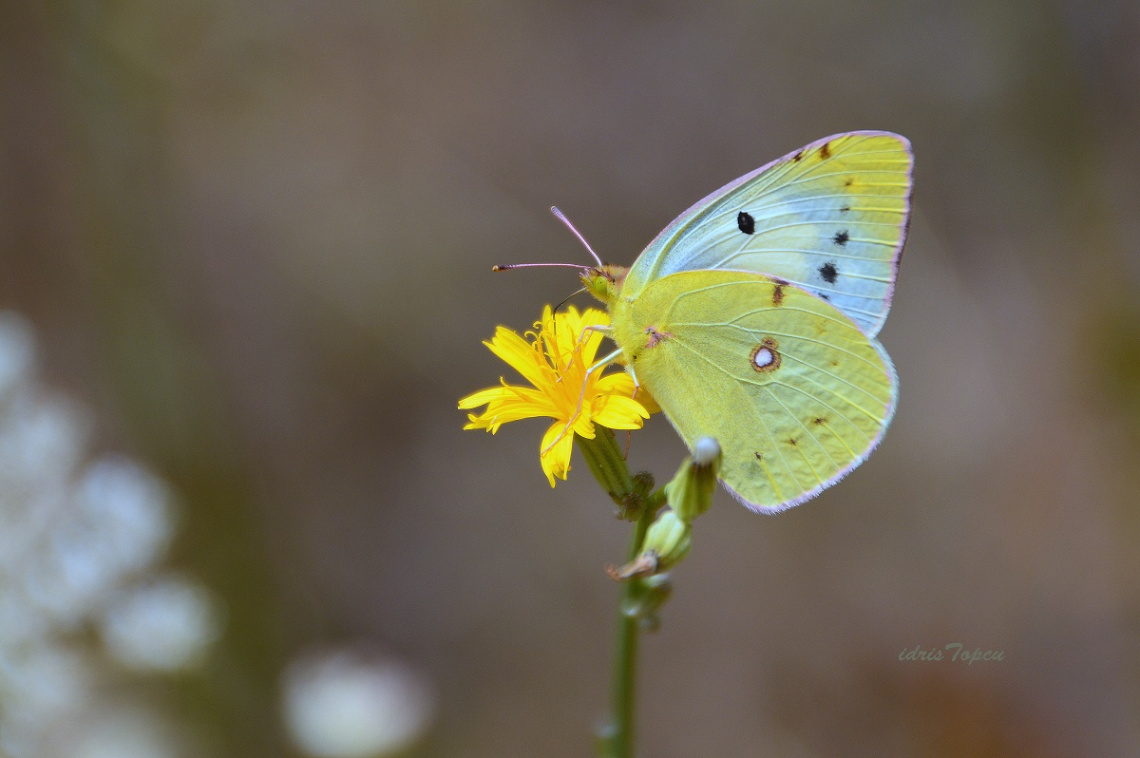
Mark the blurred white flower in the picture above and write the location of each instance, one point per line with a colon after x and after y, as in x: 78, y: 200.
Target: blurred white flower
x: 166, y: 625
x: 123, y: 734
x: 71, y: 538
x: 346, y: 705
x: 40, y: 686
x: 117, y: 522
x: 44, y: 681
x: 41, y: 440
x: 128, y: 507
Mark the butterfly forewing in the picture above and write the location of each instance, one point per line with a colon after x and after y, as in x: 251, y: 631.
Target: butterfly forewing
x: 830, y: 218
x: 796, y: 394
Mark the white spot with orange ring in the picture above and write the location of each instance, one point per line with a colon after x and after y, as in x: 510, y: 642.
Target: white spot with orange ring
x: 765, y: 357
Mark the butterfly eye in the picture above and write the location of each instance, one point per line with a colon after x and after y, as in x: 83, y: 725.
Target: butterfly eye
x: 764, y: 356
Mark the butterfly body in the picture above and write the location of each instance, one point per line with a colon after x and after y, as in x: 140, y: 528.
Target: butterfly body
x: 751, y: 318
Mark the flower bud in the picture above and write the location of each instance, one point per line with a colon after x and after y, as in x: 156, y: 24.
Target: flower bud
x: 632, y: 505
x: 668, y: 541
x: 690, y: 491
x: 654, y: 592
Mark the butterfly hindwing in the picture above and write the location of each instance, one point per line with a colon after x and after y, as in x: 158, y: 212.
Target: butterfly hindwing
x: 796, y: 394
x: 830, y: 218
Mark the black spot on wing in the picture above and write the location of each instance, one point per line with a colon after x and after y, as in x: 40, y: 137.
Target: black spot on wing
x: 746, y: 223
x: 844, y: 209
x: 829, y: 271
x: 825, y: 151
x: 841, y: 238
x: 798, y: 156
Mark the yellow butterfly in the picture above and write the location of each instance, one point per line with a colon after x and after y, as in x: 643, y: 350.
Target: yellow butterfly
x: 752, y: 317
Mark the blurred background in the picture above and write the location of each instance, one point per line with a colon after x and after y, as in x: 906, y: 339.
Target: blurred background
x: 245, y: 254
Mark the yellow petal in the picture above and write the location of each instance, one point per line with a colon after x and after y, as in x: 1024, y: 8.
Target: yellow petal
x: 507, y: 393
x: 502, y: 412
x: 556, y: 460
x: 518, y: 353
x: 619, y: 412
x: 568, y: 333
x: 506, y: 404
x: 590, y: 344
x: 647, y: 402
x: 622, y: 384
x: 559, y: 338
x: 593, y: 340
x: 584, y: 426
x: 619, y: 383
x: 482, y: 397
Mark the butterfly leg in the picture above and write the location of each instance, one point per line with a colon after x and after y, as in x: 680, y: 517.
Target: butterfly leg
x: 598, y: 365
x: 636, y: 387
x: 600, y: 328
x: 633, y: 375
x: 603, y: 362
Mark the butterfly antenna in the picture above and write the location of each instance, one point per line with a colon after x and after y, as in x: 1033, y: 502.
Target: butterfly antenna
x: 562, y: 217
x: 510, y: 266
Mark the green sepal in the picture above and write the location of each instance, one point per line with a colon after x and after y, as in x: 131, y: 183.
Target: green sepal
x: 667, y: 541
x: 604, y: 458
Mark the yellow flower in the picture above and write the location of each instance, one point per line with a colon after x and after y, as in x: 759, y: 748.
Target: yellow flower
x: 554, y: 361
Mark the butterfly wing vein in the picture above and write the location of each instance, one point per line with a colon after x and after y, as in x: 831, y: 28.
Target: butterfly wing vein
x: 786, y: 432
x: 811, y: 218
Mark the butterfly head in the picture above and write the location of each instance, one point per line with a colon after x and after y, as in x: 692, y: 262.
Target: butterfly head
x: 604, y: 281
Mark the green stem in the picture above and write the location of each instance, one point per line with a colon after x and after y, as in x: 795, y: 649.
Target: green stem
x: 605, y: 460
x: 625, y: 654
